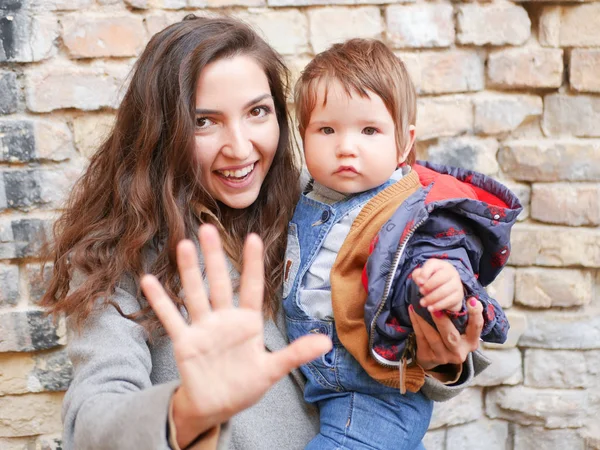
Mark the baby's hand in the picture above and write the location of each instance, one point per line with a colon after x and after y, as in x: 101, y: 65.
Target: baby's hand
x: 440, y: 285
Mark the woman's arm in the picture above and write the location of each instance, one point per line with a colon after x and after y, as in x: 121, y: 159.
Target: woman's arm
x: 447, y: 355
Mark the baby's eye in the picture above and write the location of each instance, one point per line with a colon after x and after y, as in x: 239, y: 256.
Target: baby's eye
x: 369, y: 131
x: 203, y: 122
x: 327, y: 130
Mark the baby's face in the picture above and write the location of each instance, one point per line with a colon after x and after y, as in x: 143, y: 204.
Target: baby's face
x: 350, y: 141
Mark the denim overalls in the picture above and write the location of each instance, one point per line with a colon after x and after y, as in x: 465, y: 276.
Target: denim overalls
x: 356, y: 411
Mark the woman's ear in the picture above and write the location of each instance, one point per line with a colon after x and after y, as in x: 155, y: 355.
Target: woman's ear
x: 409, y: 145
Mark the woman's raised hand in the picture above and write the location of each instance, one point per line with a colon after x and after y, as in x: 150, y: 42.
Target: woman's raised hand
x: 220, y: 353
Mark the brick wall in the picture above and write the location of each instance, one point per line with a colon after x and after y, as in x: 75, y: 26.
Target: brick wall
x: 508, y: 88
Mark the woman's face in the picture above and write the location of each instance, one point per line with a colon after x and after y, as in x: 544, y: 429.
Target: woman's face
x: 236, y: 129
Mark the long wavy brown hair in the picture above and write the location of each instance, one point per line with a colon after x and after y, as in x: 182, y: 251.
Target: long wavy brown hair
x: 142, y: 191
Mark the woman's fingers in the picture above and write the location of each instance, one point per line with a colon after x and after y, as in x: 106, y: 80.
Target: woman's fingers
x: 163, y: 306
x: 196, y: 301
x: 475, y: 325
x: 252, y: 281
x: 216, y: 268
x: 301, y: 351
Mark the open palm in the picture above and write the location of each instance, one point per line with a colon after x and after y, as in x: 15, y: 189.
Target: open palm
x: 220, y: 354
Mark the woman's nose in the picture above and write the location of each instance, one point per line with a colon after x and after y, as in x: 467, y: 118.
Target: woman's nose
x: 237, y: 144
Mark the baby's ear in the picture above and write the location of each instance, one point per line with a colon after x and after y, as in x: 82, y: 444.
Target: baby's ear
x: 409, y: 145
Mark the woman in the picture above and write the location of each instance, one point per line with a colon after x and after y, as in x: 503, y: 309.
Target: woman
x: 201, y: 136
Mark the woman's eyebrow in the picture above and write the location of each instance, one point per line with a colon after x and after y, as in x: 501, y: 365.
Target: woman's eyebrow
x: 214, y: 112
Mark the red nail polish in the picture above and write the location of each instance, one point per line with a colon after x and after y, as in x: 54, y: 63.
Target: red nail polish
x: 411, y: 307
x: 438, y: 314
x: 473, y: 302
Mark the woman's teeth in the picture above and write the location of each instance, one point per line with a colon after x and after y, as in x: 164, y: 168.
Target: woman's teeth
x: 240, y: 173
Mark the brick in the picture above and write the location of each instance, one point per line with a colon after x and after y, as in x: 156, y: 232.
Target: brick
x: 26, y: 415
x: 527, y: 438
x: 9, y: 285
x: 571, y: 115
x: 570, y: 26
x: 296, y: 65
x: 85, y: 88
x: 286, y: 31
x: 22, y: 373
x: 297, y: 3
x: 573, y: 204
x: 91, y: 130
x: 467, y: 152
x: 450, y: 72
x: 555, y: 246
x: 112, y: 35
x: 494, y: 433
x: 138, y: 4
x: 37, y: 280
x: 336, y: 24
x: 550, y: 408
x: 49, y: 442
x: 22, y: 189
x: 56, y: 184
x: 158, y: 20
x: 9, y: 98
x: 526, y: 68
x: 548, y: 288
x: 26, y: 331
x: 518, y: 326
x: 59, y: 5
x: 584, y: 69
x: 562, y: 330
x: 17, y: 141
x: 435, y: 439
x: 495, y: 24
x: 444, y: 116
x: 168, y: 4
x: 23, y: 238
x: 26, y: 38
x: 53, y: 141
x: 464, y: 408
x: 422, y: 25
x: 503, y: 287
x: 225, y: 3
x: 523, y: 193
x: 562, y: 369
x: 496, y: 114
x: 506, y: 368
x: 551, y: 160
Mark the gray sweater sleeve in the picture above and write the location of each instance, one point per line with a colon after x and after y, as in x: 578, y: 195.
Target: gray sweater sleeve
x: 111, y: 403
x: 476, y: 363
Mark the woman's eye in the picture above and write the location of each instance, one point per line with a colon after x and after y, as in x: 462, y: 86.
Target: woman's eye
x: 203, y: 122
x: 369, y: 131
x: 260, y: 111
x: 327, y: 130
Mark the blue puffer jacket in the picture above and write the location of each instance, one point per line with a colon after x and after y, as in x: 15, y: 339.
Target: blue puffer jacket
x: 461, y: 216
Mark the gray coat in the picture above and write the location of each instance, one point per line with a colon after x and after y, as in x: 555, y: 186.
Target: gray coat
x: 122, y: 386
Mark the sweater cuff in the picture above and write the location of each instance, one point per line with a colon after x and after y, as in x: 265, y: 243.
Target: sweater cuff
x: 205, y: 441
x: 446, y: 374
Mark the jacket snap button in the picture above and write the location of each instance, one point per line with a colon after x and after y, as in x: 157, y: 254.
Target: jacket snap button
x: 325, y: 216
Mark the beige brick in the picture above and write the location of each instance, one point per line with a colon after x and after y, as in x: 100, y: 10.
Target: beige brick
x: 526, y: 68
x: 159, y: 20
x: 91, y: 131
x: 573, y: 204
x: 53, y: 140
x: 168, y: 4
x: 549, y: 160
x: 571, y: 115
x: 570, y: 26
x: 496, y: 24
x: 498, y: 113
x: 447, y: 72
x: 549, y: 288
x: 530, y: 437
x: 562, y: 368
x: 30, y: 414
x: 523, y: 193
x: 226, y: 3
x: 555, y: 246
x: 297, y: 3
x: 93, y: 36
x: 412, y: 62
x: 87, y: 88
x: 422, y: 25
x: 503, y: 288
x: 461, y: 409
x: 494, y: 433
x: 137, y: 4
x: 59, y: 5
x: 16, y: 443
x: 296, y: 65
x: 506, y: 368
x: 467, y: 152
x: 14, y: 373
x: 286, y: 31
x: 443, y: 116
x: 584, y: 70
x: 336, y: 24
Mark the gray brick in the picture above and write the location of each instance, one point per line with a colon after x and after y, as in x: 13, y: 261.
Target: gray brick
x: 9, y: 285
x: 38, y: 280
x: 22, y: 189
x: 527, y: 438
x: 471, y: 436
x: 17, y: 141
x: 9, y: 93
x: 26, y: 331
x: 26, y: 38
x: 23, y: 238
x: 54, y: 371
x: 562, y: 330
x: 466, y: 407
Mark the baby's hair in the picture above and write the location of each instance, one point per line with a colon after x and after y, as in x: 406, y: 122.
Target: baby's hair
x: 361, y: 65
